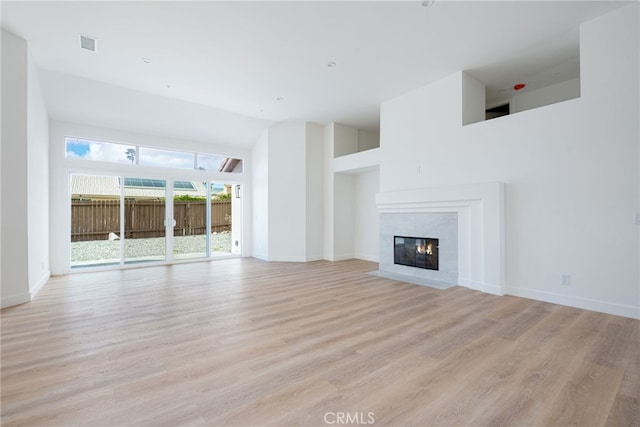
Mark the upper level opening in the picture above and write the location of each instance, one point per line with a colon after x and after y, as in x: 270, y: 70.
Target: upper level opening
x: 544, y: 74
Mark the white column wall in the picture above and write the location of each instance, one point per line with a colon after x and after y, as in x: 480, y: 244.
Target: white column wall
x: 15, y: 268
x: 37, y: 184
x: 329, y: 137
x: 289, y: 193
x: 314, y: 191
x: 260, y: 197
x: 25, y: 191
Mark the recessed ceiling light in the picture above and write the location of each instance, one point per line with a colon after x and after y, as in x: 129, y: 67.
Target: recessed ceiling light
x: 331, y: 64
x: 146, y: 60
x: 88, y: 43
x: 427, y: 3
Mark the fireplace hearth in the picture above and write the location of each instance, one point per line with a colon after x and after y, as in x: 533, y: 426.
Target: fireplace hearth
x: 419, y: 252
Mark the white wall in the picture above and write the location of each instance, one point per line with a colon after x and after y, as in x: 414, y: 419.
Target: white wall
x: 25, y: 221
x: 314, y: 191
x: 558, y: 92
x: 1, y: 168
x: 345, y: 140
x: 343, y: 217
x: 365, y: 231
x: 473, y: 100
x: 327, y: 156
x: 350, y: 184
x: 15, y: 268
x: 61, y: 167
x: 260, y: 197
x: 37, y: 184
x: 368, y: 140
x: 287, y: 192
x: 571, y: 171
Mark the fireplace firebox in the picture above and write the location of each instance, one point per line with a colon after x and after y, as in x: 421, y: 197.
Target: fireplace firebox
x: 420, y: 252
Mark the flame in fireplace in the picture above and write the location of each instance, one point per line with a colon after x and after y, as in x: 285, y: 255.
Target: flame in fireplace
x: 424, y: 249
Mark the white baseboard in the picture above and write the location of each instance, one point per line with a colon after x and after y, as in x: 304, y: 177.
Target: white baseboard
x: 481, y: 286
x: 34, y: 291
x: 365, y: 257
x: 15, y: 300
x: 471, y: 284
x: 262, y: 257
x: 295, y: 258
x: 578, y: 302
x: 493, y: 289
x: 26, y: 296
x: 342, y: 257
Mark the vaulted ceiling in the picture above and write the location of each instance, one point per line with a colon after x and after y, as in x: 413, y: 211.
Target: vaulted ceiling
x: 223, y: 71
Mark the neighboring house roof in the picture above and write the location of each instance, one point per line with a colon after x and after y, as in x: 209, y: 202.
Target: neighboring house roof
x: 94, y: 186
x: 230, y: 165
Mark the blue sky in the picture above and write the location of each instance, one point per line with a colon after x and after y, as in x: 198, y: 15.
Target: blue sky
x: 78, y: 147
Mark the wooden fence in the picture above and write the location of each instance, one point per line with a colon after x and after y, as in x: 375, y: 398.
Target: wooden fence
x: 95, y: 219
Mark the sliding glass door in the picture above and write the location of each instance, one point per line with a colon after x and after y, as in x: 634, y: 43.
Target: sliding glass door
x: 221, y: 219
x: 191, y: 215
x: 95, y: 220
x: 203, y: 215
x: 144, y: 220
x: 117, y: 220
x: 124, y: 220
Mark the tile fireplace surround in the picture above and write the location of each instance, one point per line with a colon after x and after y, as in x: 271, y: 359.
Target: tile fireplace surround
x: 480, y: 212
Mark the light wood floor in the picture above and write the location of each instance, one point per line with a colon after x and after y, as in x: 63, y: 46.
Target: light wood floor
x: 245, y: 342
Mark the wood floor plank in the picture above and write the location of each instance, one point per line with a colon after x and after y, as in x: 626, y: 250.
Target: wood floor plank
x: 587, y: 398
x: 625, y: 412
x: 247, y: 342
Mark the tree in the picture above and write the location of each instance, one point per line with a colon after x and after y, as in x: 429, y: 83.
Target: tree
x: 131, y: 154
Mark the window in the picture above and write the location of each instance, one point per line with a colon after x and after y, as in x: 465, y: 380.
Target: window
x: 209, y: 162
x: 100, y: 151
x: 77, y: 148
x: 166, y: 158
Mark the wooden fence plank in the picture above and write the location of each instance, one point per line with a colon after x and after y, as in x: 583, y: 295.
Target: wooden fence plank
x: 95, y: 219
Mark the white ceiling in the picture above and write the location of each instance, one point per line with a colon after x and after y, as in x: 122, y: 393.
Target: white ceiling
x: 218, y: 68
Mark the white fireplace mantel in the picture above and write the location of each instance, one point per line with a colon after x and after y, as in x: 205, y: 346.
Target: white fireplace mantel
x: 481, y: 227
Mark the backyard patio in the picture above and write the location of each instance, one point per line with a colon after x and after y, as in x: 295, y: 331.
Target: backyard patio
x: 108, y: 251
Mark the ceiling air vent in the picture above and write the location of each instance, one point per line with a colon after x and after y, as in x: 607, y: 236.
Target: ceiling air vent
x: 88, y: 43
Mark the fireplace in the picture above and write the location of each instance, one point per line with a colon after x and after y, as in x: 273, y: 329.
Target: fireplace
x: 469, y: 222
x: 420, y: 252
